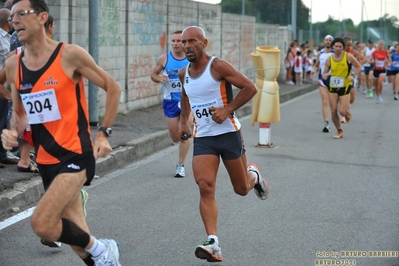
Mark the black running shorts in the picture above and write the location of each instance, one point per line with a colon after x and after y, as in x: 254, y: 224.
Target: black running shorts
x: 229, y: 146
x: 377, y: 73
x: 341, y: 91
x: 74, y: 164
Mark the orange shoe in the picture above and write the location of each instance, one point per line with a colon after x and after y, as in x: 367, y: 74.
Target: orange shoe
x: 339, y: 135
x: 348, y: 116
x: 343, y: 119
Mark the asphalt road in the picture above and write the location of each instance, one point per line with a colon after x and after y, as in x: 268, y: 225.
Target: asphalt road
x: 327, y: 197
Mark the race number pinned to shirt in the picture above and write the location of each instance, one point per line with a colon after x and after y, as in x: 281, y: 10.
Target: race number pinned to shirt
x: 202, y: 113
x: 337, y: 82
x: 379, y: 64
x: 41, y: 107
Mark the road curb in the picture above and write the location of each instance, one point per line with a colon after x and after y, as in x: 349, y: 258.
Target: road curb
x: 28, y: 193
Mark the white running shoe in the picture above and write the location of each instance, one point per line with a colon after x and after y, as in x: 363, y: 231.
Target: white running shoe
x: 110, y: 257
x: 180, y: 172
x: 261, y: 187
x: 209, y: 251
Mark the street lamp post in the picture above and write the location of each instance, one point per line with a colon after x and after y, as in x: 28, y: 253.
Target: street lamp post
x: 361, y: 23
x: 293, y: 19
x: 310, y: 22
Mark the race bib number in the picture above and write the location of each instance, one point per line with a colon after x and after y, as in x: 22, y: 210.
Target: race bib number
x: 337, y: 82
x: 202, y: 113
x: 395, y: 63
x: 175, y: 84
x: 379, y: 64
x: 41, y: 107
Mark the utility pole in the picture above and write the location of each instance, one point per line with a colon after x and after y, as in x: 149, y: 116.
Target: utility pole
x: 310, y: 22
x: 293, y: 19
x: 380, y: 18
x: 361, y: 22
x: 93, y: 51
x: 243, y: 7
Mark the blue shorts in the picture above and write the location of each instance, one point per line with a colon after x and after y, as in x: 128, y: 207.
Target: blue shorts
x: 171, y: 108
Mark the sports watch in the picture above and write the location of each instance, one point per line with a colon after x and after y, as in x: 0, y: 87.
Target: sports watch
x: 106, y: 130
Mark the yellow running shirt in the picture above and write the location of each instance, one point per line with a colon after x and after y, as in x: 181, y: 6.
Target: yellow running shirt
x: 340, y: 71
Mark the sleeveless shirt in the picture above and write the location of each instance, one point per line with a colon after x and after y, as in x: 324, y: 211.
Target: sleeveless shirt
x: 340, y: 70
x: 395, y: 62
x: 172, y: 89
x: 203, y: 92
x: 322, y: 61
x: 56, y: 109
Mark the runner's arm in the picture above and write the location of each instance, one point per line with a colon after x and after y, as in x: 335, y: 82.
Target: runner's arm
x: 184, y: 102
x: 361, y: 58
x: 372, y: 59
x: 185, y: 114
x: 4, y: 93
x: 222, y: 70
x: 390, y: 59
x: 81, y: 62
x: 160, y: 65
x: 19, y: 119
x: 326, y: 68
x: 358, y: 67
x: 316, y: 64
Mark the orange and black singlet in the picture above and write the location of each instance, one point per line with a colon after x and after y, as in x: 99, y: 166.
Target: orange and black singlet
x: 56, y: 109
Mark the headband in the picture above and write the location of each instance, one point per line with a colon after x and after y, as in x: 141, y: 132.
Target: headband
x: 329, y: 37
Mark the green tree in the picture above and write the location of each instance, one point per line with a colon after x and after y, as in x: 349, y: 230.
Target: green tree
x: 271, y: 12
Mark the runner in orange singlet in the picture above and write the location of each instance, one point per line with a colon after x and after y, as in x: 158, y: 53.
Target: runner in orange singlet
x: 47, y: 90
x: 380, y: 60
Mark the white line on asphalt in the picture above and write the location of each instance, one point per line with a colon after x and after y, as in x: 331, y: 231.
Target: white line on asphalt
x: 16, y: 218
x: 27, y: 213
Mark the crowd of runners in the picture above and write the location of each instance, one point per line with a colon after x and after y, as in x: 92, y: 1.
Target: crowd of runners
x: 344, y: 67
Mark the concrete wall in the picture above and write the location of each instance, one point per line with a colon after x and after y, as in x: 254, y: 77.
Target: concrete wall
x: 134, y: 33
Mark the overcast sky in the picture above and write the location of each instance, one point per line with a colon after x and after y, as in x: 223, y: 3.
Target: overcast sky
x: 343, y: 9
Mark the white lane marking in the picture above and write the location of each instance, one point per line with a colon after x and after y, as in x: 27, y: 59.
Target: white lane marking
x: 27, y: 213
x: 16, y: 218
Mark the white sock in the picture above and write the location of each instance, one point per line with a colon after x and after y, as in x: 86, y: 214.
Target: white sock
x: 97, y: 249
x: 215, y: 238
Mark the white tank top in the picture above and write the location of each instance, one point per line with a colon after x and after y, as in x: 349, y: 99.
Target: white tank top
x: 203, y: 92
x: 322, y: 60
x: 367, y: 54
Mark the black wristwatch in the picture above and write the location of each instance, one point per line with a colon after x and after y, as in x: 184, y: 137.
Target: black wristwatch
x: 106, y: 130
